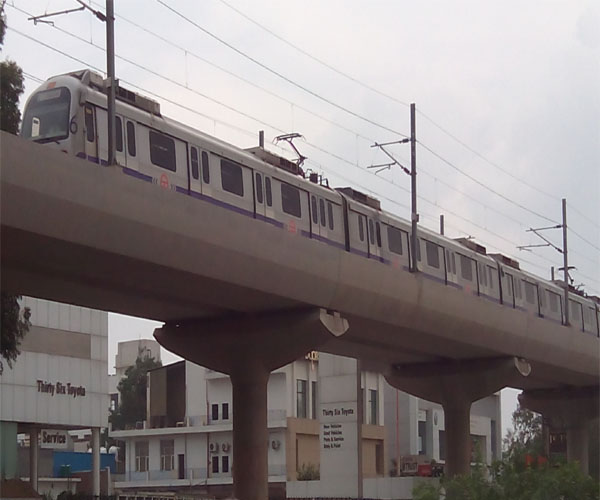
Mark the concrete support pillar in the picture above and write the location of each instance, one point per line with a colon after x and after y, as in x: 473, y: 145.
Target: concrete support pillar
x: 248, y: 347
x: 33, y: 457
x: 578, y: 445
x: 250, y: 433
x: 455, y: 385
x: 96, y: 462
x: 570, y: 409
x: 457, y: 418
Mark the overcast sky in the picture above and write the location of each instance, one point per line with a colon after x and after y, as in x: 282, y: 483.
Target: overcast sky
x: 507, y: 96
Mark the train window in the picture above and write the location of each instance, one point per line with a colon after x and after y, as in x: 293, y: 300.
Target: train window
x: 575, y: 310
x: 322, y: 212
x: 290, y: 200
x: 205, y: 168
x: 378, y: 233
x: 313, y: 209
x: 553, y: 299
x: 119, y: 134
x: 371, y: 232
x: 90, y: 133
x: 529, y: 293
x: 433, y: 255
x: 47, y: 115
x: 394, y: 240
x: 268, y: 194
x: 162, y: 150
x: 466, y: 268
x: 418, y: 250
x: 541, y: 297
x: 131, y: 139
x: 361, y: 229
x: 194, y: 158
x: 259, y: 188
x: 232, y: 179
x: 330, y: 215
x: 453, y: 261
x: 518, y: 294
x: 491, y: 276
x: 483, y: 275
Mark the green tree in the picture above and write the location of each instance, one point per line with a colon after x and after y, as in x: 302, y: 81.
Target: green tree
x: 14, y: 325
x: 132, y: 390
x: 525, y: 438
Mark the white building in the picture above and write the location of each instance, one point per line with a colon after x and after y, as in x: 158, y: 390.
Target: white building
x: 186, y: 443
x: 57, y: 383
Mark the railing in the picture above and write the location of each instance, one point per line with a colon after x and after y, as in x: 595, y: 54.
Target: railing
x: 168, y: 476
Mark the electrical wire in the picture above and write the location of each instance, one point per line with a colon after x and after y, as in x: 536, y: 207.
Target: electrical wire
x: 276, y: 73
x: 314, y: 58
x: 338, y: 157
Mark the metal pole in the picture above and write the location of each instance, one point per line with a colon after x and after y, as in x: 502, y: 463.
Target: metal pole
x: 442, y: 224
x: 110, y: 73
x: 565, y: 260
x: 413, y: 185
x: 360, y: 417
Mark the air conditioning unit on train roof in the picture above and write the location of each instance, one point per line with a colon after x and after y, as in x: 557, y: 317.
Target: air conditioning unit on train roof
x: 95, y: 80
x: 275, y: 160
x: 363, y: 198
x: 471, y: 245
x: 507, y: 261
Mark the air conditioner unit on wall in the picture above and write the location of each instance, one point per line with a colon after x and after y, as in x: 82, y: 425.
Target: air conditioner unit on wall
x: 225, y: 447
x: 214, y: 447
x: 275, y: 444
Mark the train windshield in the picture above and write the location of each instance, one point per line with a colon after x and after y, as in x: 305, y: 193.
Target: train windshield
x: 47, y: 116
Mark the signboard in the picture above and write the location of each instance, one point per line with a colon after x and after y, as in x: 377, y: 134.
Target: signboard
x: 55, y: 439
x: 338, y: 426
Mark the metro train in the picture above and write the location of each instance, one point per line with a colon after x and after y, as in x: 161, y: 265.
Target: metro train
x: 69, y: 112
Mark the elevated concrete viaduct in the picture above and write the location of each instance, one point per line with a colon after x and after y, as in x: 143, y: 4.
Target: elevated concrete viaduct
x: 79, y: 233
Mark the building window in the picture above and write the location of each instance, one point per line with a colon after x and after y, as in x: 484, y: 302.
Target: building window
x: 232, y: 179
x: 313, y: 398
x: 162, y: 150
x: 225, y: 463
x: 290, y: 200
x: 214, y: 412
x: 301, y: 398
x: 394, y: 240
x: 167, y: 454
x: 215, y: 465
x: 225, y: 411
x: 373, y: 406
x: 422, y: 438
x: 141, y: 456
x: 194, y: 159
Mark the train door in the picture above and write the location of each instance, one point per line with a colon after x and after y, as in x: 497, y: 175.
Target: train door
x: 374, y: 239
x: 91, y: 143
x: 508, y: 289
x: 451, y: 275
x: 259, y: 195
x: 131, y: 145
x: 120, y: 155
x: 102, y: 135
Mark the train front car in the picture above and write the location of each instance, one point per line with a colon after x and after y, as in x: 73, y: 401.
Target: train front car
x: 54, y: 116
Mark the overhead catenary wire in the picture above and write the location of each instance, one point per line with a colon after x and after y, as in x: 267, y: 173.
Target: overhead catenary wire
x: 403, y: 103
x: 278, y: 74
x: 280, y: 130
x: 337, y: 156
